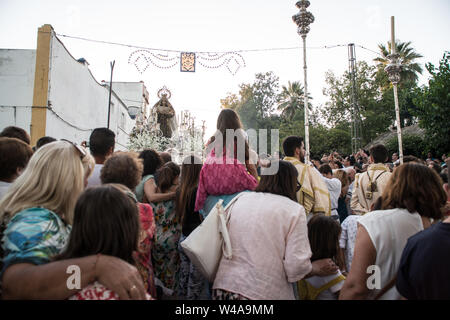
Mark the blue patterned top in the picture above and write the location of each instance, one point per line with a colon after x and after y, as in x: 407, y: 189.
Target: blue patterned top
x: 33, y: 235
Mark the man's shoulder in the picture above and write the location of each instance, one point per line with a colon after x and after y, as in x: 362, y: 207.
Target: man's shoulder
x: 435, y: 234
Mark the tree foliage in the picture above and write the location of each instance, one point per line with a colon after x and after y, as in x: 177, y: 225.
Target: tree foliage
x: 260, y: 105
x: 433, y: 106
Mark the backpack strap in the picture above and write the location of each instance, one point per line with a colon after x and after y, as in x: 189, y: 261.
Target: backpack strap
x: 333, y: 282
x: 308, y: 292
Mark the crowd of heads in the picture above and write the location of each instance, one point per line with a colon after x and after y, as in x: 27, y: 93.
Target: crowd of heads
x: 54, y: 175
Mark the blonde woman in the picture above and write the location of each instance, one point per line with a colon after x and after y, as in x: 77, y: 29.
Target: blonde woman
x: 36, y: 216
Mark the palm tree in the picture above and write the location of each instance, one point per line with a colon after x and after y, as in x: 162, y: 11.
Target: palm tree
x: 291, y: 100
x: 410, y: 68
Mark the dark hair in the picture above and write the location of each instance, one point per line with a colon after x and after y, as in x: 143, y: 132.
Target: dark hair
x: 352, y: 160
x: 44, y: 140
x: 325, y: 168
x: 339, y: 164
x: 16, y: 132
x: 101, y: 141
x: 124, y: 168
x: 165, y: 157
x: 290, y: 144
x: 379, y: 153
x: 228, y: 119
x: 152, y: 161
x: 190, y: 173
x: 105, y: 221
x: 283, y: 183
x: 14, y: 153
x: 166, y: 174
x: 417, y: 188
x: 410, y: 159
x: 323, y: 235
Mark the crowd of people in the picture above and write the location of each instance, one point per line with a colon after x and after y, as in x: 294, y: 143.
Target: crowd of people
x: 318, y: 230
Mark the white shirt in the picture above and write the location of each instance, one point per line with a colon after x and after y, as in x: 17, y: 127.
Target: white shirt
x: 331, y: 293
x: 349, y: 197
x: 94, y: 179
x: 334, y: 187
x: 348, y: 238
x: 4, y: 186
x: 389, y: 231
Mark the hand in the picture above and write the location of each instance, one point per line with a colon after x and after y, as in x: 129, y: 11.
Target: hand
x: 324, y: 267
x: 120, y: 277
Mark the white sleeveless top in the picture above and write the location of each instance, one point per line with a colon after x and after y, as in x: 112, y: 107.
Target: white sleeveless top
x: 389, y: 231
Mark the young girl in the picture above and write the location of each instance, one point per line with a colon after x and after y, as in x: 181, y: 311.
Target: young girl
x: 123, y: 170
x: 146, y: 191
x: 192, y: 284
x: 223, y: 172
x: 106, y: 222
x: 323, y: 234
x: 165, y: 256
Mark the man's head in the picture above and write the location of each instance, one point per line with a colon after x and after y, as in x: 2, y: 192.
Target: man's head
x: 101, y: 143
x: 326, y: 171
x: 16, y: 132
x: 346, y: 162
x: 14, y: 157
x: 378, y: 154
x: 44, y: 140
x: 293, y: 146
x: 394, y: 156
x: 316, y: 162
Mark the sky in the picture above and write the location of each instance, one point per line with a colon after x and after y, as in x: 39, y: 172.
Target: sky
x: 226, y: 26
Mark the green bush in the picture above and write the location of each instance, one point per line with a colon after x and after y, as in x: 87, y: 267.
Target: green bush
x: 413, y: 145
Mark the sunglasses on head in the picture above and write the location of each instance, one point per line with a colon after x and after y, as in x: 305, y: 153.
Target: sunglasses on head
x: 80, y: 149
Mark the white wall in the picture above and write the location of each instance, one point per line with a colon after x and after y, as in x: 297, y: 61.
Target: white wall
x: 131, y: 93
x: 78, y: 102
x: 16, y: 87
x: 77, y: 98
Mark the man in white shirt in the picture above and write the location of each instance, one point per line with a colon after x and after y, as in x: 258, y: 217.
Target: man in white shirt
x: 101, y: 145
x: 334, y: 188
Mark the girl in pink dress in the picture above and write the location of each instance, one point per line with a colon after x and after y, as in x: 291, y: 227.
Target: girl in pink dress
x: 227, y: 169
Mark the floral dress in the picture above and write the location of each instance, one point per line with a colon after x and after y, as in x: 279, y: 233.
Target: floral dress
x: 165, y: 256
x: 146, y: 241
x: 97, y: 291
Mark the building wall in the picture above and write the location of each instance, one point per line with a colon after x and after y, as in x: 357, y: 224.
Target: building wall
x: 79, y: 103
x: 16, y: 87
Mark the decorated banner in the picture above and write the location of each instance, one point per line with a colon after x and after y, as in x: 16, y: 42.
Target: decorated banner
x: 187, y: 62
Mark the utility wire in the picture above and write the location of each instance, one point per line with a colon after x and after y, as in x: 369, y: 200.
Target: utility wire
x: 179, y: 51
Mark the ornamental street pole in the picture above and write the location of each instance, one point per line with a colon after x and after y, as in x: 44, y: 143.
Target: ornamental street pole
x: 393, y: 70
x: 303, y: 19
